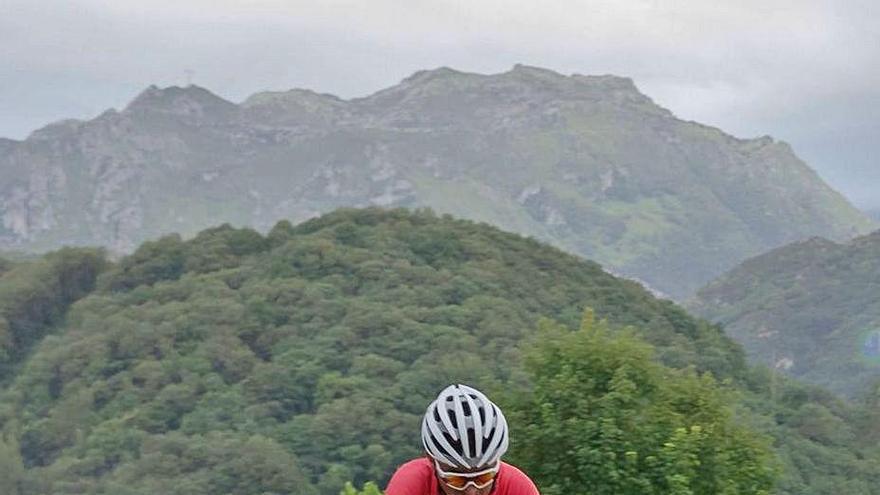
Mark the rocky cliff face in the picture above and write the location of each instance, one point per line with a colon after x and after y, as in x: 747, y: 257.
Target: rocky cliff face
x: 586, y: 162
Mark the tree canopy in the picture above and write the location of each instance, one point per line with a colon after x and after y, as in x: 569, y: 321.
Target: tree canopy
x: 604, y: 418
x: 293, y: 362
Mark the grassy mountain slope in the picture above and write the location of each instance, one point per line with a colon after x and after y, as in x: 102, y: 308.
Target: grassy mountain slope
x: 809, y: 308
x: 293, y: 362
x: 587, y: 163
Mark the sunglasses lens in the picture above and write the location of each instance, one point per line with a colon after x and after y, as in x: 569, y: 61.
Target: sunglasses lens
x: 456, y: 481
x: 484, y: 479
x: 461, y: 482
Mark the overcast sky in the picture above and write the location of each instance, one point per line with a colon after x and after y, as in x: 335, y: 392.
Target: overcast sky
x: 803, y: 71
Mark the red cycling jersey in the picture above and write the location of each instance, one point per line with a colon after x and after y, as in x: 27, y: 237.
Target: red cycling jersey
x: 417, y: 477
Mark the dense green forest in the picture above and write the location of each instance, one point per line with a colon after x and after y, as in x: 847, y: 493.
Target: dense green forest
x: 301, y: 360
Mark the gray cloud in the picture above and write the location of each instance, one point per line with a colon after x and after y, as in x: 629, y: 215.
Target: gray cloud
x: 802, y: 71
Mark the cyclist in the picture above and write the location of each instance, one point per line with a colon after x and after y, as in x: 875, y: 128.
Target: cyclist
x: 464, y: 435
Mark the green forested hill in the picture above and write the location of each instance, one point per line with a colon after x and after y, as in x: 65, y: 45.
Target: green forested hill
x: 809, y: 308
x: 296, y: 361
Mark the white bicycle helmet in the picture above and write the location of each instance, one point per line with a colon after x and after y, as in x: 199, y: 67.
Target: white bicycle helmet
x: 464, y: 429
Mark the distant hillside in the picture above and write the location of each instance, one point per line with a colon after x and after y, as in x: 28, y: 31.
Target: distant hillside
x: 587, y: 163
x: 810, y: 309
x: 293, y: 362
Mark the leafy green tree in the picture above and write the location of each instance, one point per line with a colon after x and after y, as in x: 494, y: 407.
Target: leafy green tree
x: 34, y: 296
x: 163, y: 259
x: 12, y: 471
x: 369, y: 488
x: 604, y: 418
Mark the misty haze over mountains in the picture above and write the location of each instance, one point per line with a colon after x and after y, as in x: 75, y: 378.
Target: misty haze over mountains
x: 585, y: 162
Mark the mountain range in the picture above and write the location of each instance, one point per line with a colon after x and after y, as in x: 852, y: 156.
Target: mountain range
x: 587, y: 163
x: 809, y: 309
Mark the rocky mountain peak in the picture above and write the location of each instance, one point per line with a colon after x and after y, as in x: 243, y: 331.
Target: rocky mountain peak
x: 434, y: 75
x: 447, y: 97
x: 533, y: 71
x: 295, y: 107
x: 191, y: 101
x: 293, y: 96
x: 608, y: 82
x: 444, y: 78
x: 424, y: 83
x: 541, y: 77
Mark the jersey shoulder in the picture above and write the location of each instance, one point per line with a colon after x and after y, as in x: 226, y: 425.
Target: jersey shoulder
x: 512, y: 481
x: 415, y: 477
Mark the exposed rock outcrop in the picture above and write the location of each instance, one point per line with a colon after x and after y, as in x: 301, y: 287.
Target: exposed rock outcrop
x: 586, y: 162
